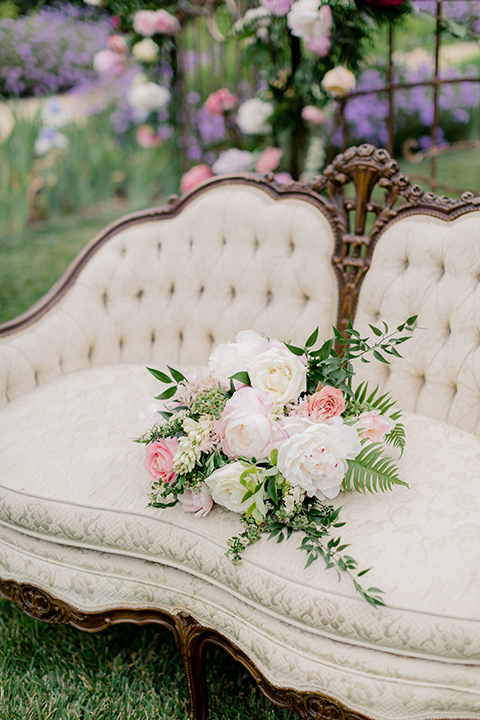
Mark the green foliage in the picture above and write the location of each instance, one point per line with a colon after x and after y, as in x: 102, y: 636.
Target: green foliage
x: 371, y: 471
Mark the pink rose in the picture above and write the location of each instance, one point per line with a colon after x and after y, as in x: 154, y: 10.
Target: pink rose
x: 193, y: 177
x: 219, y: 102
x: 145, y: 22
x: 319, y: 46
x: 313, y: 115
x: 146, y: 138
x: 159, y: 460
x: 197, y: 501
x: 117, y: 44
x: 374, y: 426
x: 246, y: 426
x: 107, y: 62
x: 278, y: 7
x: 165, y: 23
x: 325, y: 404
x: 269, y: 160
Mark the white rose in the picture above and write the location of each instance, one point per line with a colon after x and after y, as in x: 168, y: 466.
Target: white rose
x: 316, y: 459
x: 280, y: 372
x: 226, y: 488
x: 252, y: 116
x: 233, y: 161
x: 146, y: 50
x: 148, y: 96
x: 339, y: 81
x: 303, y: 17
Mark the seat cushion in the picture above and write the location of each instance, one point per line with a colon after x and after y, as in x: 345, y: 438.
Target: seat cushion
x: 73, y: 494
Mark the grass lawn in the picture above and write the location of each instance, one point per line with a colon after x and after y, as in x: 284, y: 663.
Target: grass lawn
x: 52, y: 672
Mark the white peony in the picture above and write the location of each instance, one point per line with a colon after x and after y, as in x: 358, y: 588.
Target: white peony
x: 316, y: 459
x: 230, y: 358
x: 252, y: 116
x: 233, y: 161
x: 146, y: 50
x: 148, y: 96
x: 280, y: 372
x: 226, y: 488
x: 303, y: 18
x: 339, y: 81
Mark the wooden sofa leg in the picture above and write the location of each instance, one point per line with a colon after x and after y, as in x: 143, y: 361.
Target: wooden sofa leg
x: 190, y: 638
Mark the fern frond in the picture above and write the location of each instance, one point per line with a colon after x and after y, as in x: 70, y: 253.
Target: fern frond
x: 371, y: 471
x: 397, y: 437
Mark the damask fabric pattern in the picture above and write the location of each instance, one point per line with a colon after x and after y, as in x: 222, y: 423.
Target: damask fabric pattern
x: 247, y: 262
x: 431, y: 268
x: 76, y: 522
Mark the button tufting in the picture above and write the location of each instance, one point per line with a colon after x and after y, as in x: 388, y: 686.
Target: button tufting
x: 140, y: 294
x: 123, y: 251
x: 172, y: 289
x: 90, y: 353
x: 406, y: 263
x: 180, y: 336
x: 306, y: 298
x: 292, y: 246
x: 159, y: 247
x: 201, y: 289
x: 105, y: 298
x: 233, y: 293
x: 256, y: 244
x: 35, y: 376
x: 121, y: 343
x: 269, y: 296
x: 211, y: 338
x: 152, y: 337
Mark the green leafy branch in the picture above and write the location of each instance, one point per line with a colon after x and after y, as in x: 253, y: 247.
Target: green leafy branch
x: 371, y: 471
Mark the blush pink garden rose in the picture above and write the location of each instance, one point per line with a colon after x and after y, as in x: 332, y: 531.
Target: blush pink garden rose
x: 193, y: 177
x: 196, y: 501
x: 146, y: 138
x: 109, y: 63
x: 246, y: 427
x: 117, y: 44
x: 313, y: 115
x: 145, y: 22
x: 374, y: 426
x: 269, y: 160
x: 159, y: 460
x: 325, y: 404
x: 220, y: 102
x: 319, y: 46
x: 278, y: 7
x: 165, y: 23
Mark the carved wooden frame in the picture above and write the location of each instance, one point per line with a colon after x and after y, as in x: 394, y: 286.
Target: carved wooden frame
x: 364, y: 167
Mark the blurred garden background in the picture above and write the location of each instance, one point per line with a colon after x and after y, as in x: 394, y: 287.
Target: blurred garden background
x: 111, y: 106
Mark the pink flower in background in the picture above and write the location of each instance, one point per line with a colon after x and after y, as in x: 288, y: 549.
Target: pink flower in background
x: 145, y: 22
x: 159, y: 460
x: 107, y: 62
x: 193, y: 177
x: 146, y: 138
x: 326, y: 403
x: 115, y: 22
x: 219, y: 102
x: 197, y: 501
x: 283, y: 178
x: 313, y: 115
x: 278, y: 7
x: 319, y: 46
x: 385, y: 3
x: 165, y: 23
x: 118, y: 44
x: 269, y: 160
x: 374, y: 426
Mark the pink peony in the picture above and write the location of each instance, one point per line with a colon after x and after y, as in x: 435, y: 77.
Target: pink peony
x: 313, y: 115
x: 246, y: 426
x: 146, y: 138
x: 278, y: 7
x: 159, y: 460
x: 118, y: 45
x: 269, y: 160
x: 374, y: 426
x: 165, y: 23
x: 145, y: 22
x: 219, y: 102
x: 193, y: 177
x: 319, y: 46
x: 197, y: 501
x: 107, y: 62
x: 326, y: 403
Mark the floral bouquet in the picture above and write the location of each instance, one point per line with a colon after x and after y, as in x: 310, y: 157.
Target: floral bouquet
x: 272, y: 433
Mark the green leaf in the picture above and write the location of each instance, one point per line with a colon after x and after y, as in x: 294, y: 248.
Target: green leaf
x: 295, y: 350
x: 375, y: 330
x: 379, y: 357
x: 371, y: 471
x: 165, y: 415
x: 169, y: 392
x: 159, y: 375
x: 312, y: 339
x: 242, y: 377
x: 176, y: 374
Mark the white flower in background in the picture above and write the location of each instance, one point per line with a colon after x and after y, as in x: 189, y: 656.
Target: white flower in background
x: 339, y: 81
x: 226, y: 488
x: 48, y: 139
x: 95, y: 3
x: 148, y: 96
x: 146, y: 50
x: 306, y: 19
x: 259, y: 16
x: 53, y: 114
x: 233, y: 161
x: 316, y: 459
x: 280, y: 372
x: 253, y: 115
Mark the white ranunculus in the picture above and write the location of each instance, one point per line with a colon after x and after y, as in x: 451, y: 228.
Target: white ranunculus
x: 339, y: 81
x: 253, y: 115
x: 233, y: 161
x: 303, y: 17
x: 316, y: 459
x: 148, y: 96
x: 146, y: 50
x: 226, y: 488
x: 280, y: 372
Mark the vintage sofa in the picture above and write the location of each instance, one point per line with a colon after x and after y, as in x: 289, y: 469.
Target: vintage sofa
x: 78, y: 544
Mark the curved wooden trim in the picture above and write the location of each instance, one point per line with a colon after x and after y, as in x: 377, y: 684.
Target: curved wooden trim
x: 266, y: 183
x: 191, y: 639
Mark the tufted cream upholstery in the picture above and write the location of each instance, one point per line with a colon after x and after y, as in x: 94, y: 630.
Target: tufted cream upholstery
x: 426, y: 266
x: 168, y: 290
